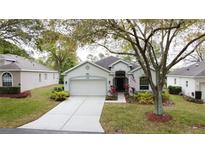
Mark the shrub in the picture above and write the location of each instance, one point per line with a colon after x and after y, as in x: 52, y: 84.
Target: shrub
x: 193, y: 100
x: 59, y: 96
x: 176, y: 90
x: 58, y: 89
x: 10, y: 90
x: 165, y: 96
x: 144, y: 97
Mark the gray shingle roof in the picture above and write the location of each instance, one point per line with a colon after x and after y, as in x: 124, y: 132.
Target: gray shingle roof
x: 197, y: 69
x: 21, y: 63
x: 106, y: 62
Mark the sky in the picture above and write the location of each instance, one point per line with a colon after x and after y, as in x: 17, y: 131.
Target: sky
x: 82, y: 54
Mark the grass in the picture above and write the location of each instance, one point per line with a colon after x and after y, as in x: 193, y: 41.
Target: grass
x: 16, y: 112
x: 130, y: 118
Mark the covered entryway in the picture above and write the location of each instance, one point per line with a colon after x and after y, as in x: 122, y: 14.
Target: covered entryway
x: 120, y: 80
x: 88, y: 87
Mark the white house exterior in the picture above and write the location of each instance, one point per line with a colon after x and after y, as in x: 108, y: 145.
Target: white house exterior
x: 191, y: 79
x: 90, y: 78
x: 20, y: 72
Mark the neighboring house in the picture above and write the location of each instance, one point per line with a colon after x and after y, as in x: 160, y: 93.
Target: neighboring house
x: 96, y: 78
x: 18, y: 71
x: 191, y: 79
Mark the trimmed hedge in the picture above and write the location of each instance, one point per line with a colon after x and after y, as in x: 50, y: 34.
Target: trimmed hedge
x: 176, y: 90
x: 10, y: 90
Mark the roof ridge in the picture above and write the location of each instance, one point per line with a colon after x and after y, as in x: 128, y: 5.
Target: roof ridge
x: 202, y: 68
x: 107, y: 57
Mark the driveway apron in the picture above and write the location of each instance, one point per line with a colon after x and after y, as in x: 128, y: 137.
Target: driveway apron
x: 78, y: 113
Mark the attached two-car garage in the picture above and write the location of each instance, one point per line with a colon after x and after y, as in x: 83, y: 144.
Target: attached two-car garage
x: 87, y: 79
x: 88, y: 87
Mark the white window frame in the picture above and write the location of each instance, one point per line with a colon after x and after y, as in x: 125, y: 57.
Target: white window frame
x: 11, y: 79
x: 187, y: 83
x: 143, y: 85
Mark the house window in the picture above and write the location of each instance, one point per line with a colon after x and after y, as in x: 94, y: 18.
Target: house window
x: 45, y: 76
x: 175, y: 81
x: 187, y: 83
x: 7, y: 80
x: 144, y: 83
x: 39, y: 77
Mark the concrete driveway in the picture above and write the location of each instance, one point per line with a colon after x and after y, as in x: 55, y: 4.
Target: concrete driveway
x: 78, y: 113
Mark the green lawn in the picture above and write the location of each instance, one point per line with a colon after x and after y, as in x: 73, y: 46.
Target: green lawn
x: 130, y: 118
x: 16, y: 112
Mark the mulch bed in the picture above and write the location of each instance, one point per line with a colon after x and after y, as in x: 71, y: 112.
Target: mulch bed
x: 198, y: 126
x: 158, y: 118
x: 20, y: 95
x: 111, y: 98
x: 193, y: 100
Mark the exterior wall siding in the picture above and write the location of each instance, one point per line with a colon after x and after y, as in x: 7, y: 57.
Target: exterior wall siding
x: 136, y: 83
x: 181, y: 81
x: 30, y: 80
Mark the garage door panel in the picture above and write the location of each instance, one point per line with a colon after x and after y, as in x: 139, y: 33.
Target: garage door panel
x: 88, y: 87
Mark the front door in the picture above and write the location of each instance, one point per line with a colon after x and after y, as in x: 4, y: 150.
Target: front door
x: 120, y: 84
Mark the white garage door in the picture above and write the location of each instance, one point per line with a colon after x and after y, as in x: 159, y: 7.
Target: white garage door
x: 88, y: 87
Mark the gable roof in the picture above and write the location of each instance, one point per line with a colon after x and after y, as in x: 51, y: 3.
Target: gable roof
x: 111, y: 60
x: 122, y: 61
x: 106, y: 62
x: 19, y: 63
x: 197, y: 69
x: 98, y: 66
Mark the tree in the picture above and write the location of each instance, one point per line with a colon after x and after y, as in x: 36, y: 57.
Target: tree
x: 155, y: 44
x: 198, y: 56
x: 20, y: 30
x: 60, y: 50
x: 9, y: 48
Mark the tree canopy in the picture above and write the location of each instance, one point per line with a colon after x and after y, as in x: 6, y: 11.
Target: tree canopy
x: 10, y: 48
x: 155, y: 44
x: 60, y: 50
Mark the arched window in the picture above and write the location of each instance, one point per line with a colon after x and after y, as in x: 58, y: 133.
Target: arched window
x: 144, y: 83
x: 7, y: 80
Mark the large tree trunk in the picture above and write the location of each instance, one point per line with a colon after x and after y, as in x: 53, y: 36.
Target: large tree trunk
x: 158, y: 102
x: 59, y: 73
x: 158, y: 95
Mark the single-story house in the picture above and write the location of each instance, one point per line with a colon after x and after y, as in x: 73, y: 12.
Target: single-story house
x: 191, y: 79
x: 17, y: 71
x: 90, y: 78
